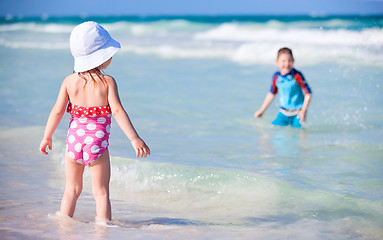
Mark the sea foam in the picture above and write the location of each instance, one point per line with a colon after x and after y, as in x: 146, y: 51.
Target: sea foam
x: 244, y: 43
x: 236, y: 32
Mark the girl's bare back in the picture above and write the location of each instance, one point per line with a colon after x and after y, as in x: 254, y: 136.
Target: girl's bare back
x: 87, y: 90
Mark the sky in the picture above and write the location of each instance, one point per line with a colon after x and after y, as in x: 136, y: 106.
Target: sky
x: 188, y: 7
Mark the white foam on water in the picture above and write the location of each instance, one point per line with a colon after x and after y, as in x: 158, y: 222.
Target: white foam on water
x: 151, y: 198
x: 236, y: 32
x: 175, y: 187
x: 34, y: 45
x: 243, y: 43
x: 37, y: 28
x: 215, y: 196
x: 169, y: 51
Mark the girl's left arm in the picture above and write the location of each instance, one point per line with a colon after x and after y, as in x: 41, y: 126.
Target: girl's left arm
x: 123, y: 119
x: 55, y: 117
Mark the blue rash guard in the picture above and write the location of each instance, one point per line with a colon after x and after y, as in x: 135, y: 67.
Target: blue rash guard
x: 290, y: 88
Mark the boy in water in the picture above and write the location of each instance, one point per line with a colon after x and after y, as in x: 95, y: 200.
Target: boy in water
x: 295, y: 93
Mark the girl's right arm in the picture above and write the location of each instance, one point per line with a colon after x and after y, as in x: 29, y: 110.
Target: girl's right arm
x: 123, y: 119
x: 54, y: 118
x: 266, y: 103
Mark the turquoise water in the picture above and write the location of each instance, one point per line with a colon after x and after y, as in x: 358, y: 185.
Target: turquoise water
x: 191, y: 86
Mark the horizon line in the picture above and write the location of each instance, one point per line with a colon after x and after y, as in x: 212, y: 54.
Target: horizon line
x: 46, y: 16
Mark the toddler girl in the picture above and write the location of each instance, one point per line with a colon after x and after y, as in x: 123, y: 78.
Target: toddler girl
x: 91, y: 97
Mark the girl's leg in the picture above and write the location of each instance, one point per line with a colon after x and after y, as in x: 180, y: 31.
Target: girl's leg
x: 73, y: 185
x: 100, y: 173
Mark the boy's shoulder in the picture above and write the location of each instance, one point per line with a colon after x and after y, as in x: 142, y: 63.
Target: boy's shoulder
x: 294, y: 74
x: 276, y: 75
x: 295, y: 71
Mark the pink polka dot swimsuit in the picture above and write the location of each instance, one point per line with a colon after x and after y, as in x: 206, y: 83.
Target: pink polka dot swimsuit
x: 88, y: 133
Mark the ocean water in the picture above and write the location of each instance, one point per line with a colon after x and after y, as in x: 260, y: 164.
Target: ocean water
x: 191, y: 86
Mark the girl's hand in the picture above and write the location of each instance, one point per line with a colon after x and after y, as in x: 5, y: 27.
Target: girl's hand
x: 140, y: 147
x: 43, y: 146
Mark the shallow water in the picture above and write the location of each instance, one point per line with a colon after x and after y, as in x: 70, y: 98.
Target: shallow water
x: 191, y: 88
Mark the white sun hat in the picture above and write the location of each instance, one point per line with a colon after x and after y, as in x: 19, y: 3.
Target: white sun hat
x: 91, y: 45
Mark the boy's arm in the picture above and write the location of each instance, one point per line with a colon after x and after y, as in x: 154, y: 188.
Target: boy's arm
x: 307, y: 90
x: 302, y: 113
x: 54, y: 119
x: 266, y: 103
x: 123, y: 119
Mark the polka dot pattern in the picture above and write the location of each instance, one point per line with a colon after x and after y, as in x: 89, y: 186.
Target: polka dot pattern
x: 80, y: 132
x: 78, y: 147
x: 100, y: 134
x: 71, y: 154
x: 88, y: 137
x: 71, y: 139
x: 88, y: 140
x: 79, y: 111
x: 82, y: 119
x: 94, y: 149
x: 91, y: 126
x: 101, y: 120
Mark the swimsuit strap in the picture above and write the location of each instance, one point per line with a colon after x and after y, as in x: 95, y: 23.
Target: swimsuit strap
x: 80, y: 111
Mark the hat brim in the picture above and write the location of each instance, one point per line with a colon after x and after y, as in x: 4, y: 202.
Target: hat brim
x: 95, y: 59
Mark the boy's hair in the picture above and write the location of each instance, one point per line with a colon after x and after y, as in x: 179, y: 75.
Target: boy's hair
x: 285, y: 50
